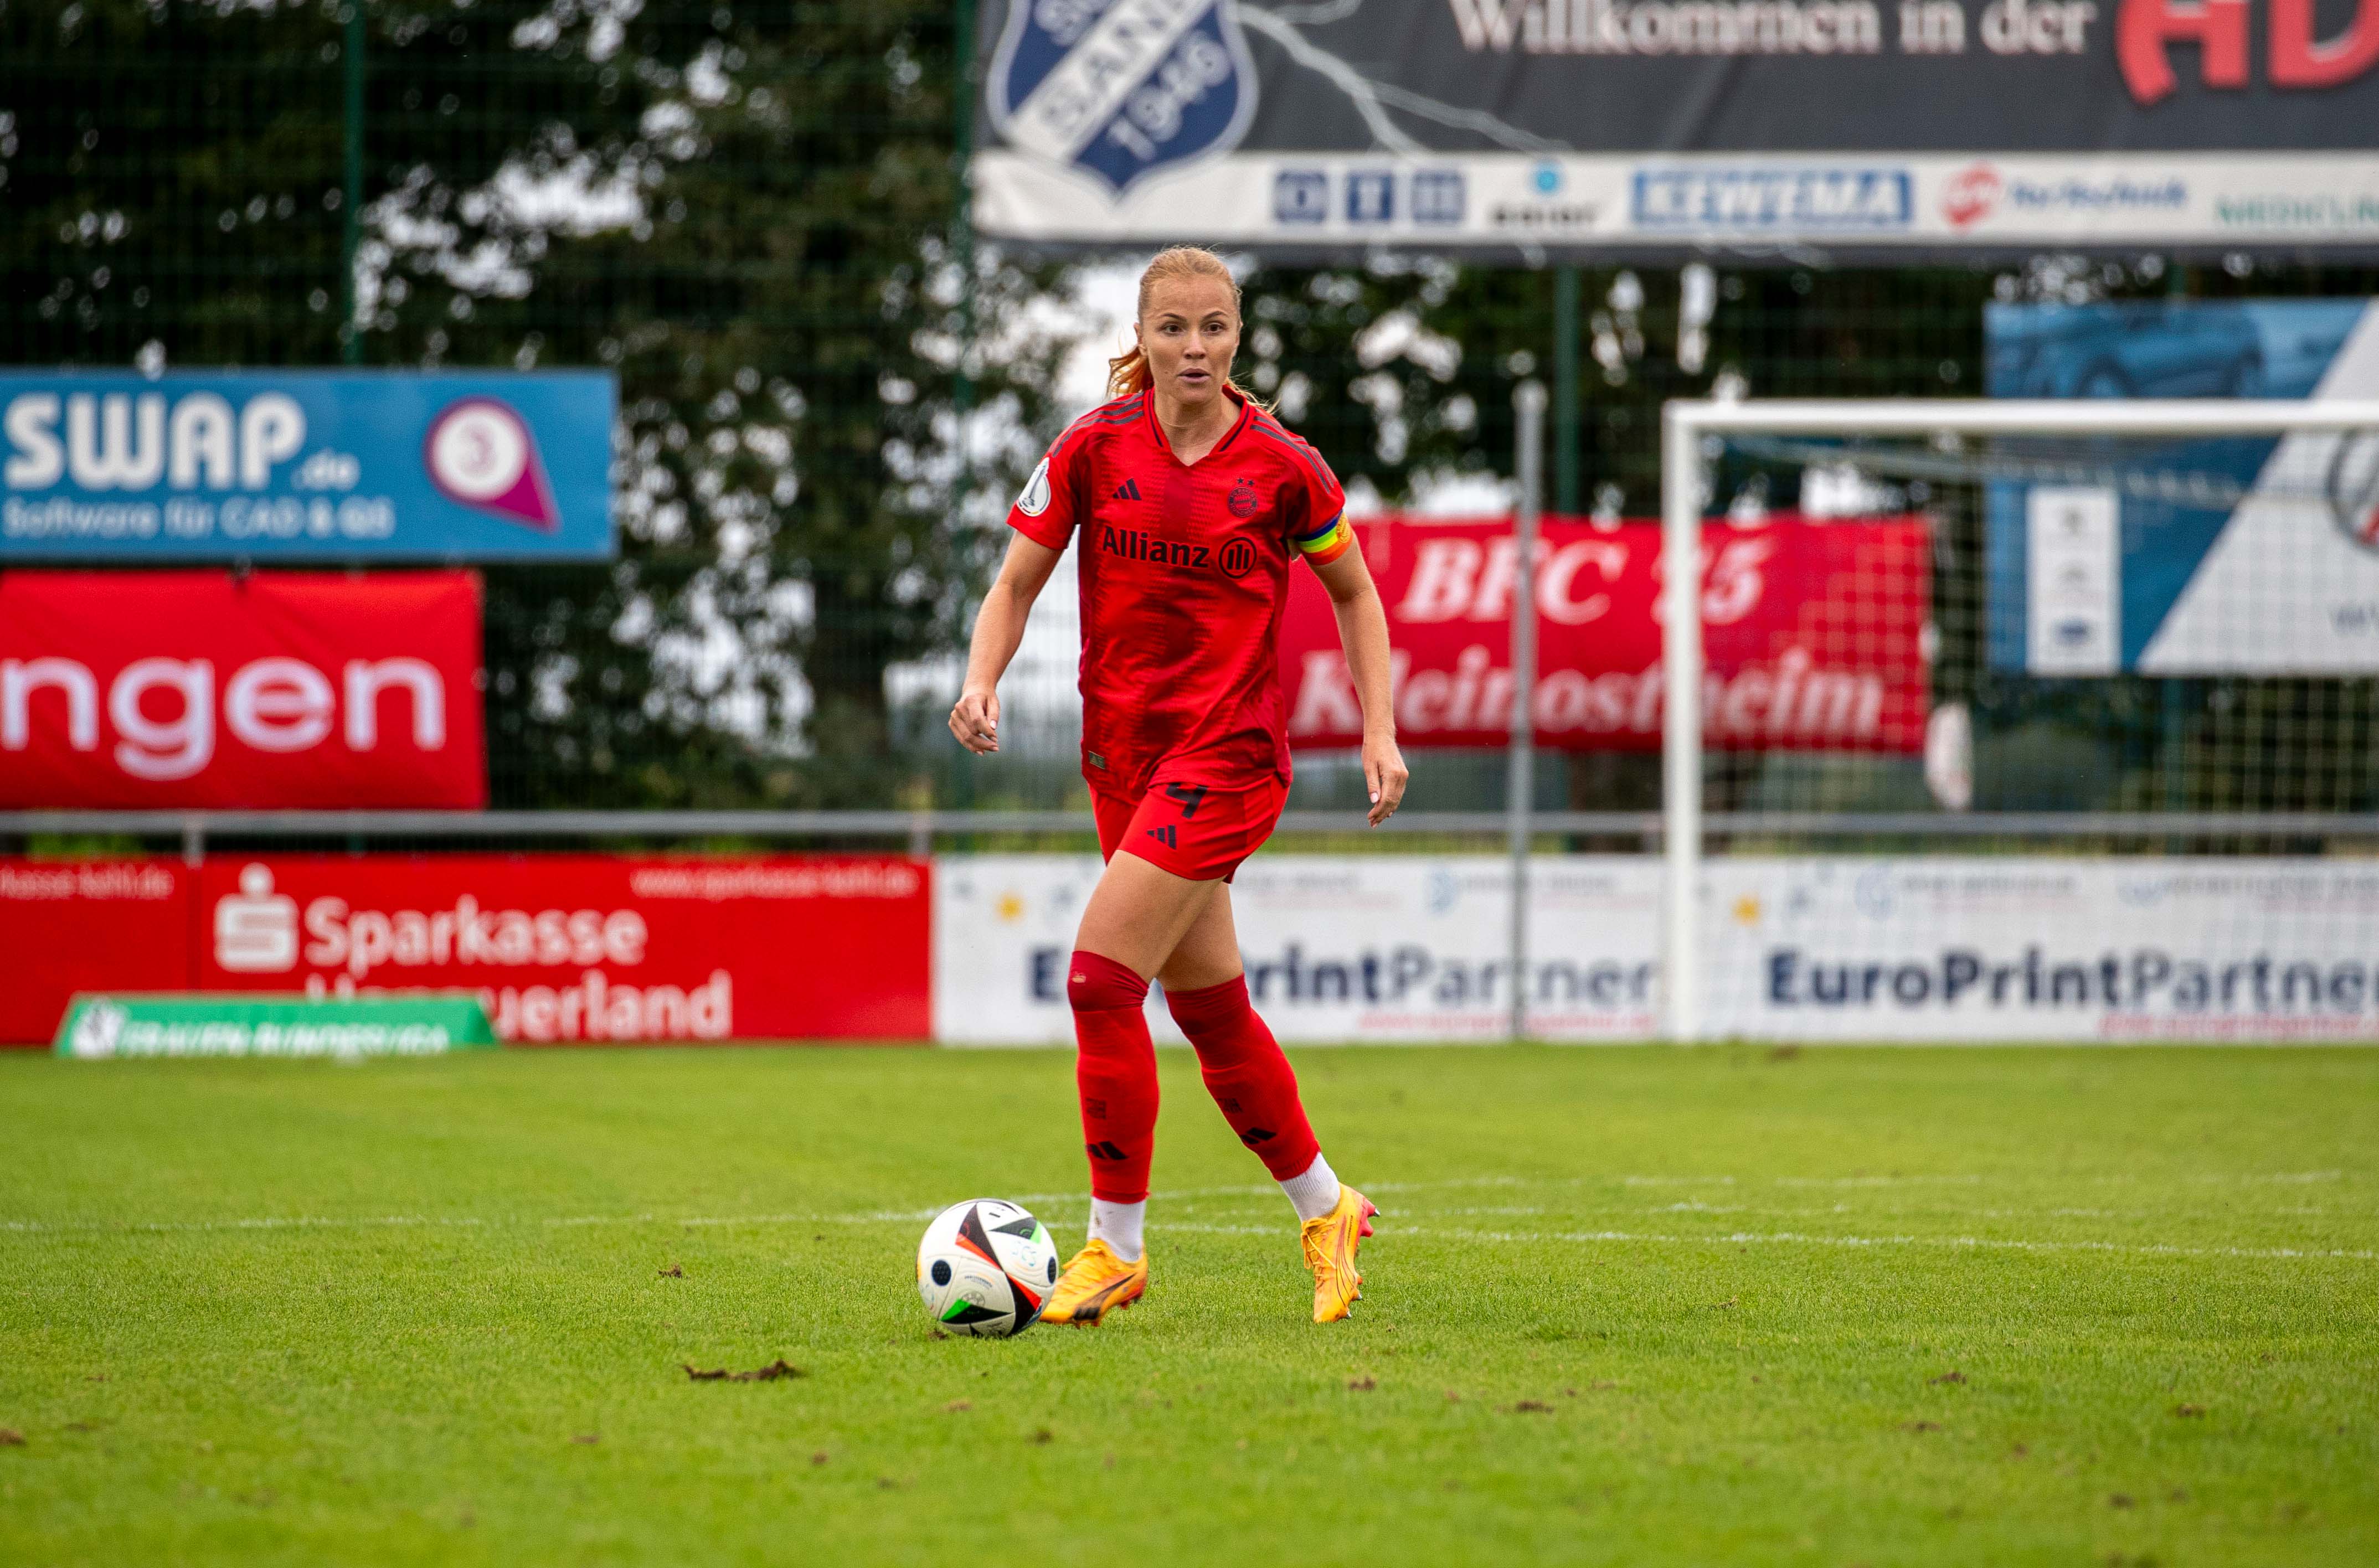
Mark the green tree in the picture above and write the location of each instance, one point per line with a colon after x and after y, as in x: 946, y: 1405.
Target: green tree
x: 747, y: 216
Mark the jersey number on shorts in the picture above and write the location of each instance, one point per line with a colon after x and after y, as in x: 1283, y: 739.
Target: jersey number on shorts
x: 1191, y: 797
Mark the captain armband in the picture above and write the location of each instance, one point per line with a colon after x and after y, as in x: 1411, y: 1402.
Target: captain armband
x: 1328, y: 542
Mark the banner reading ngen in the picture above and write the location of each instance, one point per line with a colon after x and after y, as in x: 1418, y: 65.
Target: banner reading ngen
x: 1891, y: 128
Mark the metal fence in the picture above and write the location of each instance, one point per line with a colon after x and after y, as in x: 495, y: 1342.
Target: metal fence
x: 754, y: 216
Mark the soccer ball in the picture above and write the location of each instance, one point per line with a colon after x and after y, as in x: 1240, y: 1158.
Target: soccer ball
x: 985, y: 1268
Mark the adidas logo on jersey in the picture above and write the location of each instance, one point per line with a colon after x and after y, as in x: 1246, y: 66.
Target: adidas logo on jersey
x: 1128, y: 490
x: 1165, y: 835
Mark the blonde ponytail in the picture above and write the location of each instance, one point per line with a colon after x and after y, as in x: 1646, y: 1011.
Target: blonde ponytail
x: 1127, y: 372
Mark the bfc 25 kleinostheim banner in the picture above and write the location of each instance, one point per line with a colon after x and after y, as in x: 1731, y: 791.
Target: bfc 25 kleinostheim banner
x: 287, y: 465
x: 1815, y: 636
x: 1761, y: 127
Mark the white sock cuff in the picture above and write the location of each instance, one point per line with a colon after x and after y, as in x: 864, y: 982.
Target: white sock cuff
x: 1120, y: 1225
x: 1315, y: 1192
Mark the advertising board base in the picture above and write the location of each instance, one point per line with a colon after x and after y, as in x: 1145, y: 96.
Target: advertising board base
x: 100, y: 1027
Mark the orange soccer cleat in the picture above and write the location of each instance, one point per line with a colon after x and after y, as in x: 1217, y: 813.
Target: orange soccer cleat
x: 1330, y: 1244
x: 1095, y: 1283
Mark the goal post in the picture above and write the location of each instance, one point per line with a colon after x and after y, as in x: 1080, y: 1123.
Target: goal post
x: 2036, y: 442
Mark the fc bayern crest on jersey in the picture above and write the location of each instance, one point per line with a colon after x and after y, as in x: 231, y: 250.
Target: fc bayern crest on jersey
x: 1120, y: 90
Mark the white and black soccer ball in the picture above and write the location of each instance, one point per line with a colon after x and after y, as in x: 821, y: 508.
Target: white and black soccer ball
x: 986, y: 1267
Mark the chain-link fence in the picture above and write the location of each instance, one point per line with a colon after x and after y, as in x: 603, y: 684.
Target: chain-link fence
x: 754, y: 216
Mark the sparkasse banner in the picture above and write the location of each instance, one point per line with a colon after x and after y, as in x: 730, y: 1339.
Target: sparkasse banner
x: 304, y: 465
x: 148, y: 690
x: 564, y: 949
x: 1770, y: 128
x: 1815, y: 636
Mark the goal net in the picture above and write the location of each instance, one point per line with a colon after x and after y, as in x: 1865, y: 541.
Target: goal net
x: 2066, y: 725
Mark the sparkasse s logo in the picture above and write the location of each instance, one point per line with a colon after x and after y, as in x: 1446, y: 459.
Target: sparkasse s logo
x: 256, y: 929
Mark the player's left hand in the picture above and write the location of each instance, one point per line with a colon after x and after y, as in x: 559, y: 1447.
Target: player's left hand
x: 1385, y: 774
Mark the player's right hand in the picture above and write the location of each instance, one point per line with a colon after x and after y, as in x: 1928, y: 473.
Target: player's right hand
x: 976, y: 721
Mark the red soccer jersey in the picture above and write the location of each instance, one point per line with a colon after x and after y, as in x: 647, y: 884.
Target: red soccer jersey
x: 1184, y: 572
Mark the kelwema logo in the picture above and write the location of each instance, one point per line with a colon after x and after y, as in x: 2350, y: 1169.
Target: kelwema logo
x: 1759, y: 201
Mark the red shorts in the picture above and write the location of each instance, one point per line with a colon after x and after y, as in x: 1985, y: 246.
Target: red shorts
x: 1196, y: 831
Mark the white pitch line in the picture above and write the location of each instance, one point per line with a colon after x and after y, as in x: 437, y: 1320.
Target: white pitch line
x: 1075, y: 1200
x: 881, y: 1216
x: 1422, y: 1228
x: 1790, y: 1238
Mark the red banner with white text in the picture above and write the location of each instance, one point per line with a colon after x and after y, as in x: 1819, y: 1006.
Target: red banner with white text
x: 588, y: 949
x: 128, y: 690
x: 87, y: 925
x: 1814, y: 635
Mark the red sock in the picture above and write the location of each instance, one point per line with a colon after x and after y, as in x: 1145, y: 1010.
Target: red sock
x: 1114, y: 1069
x: 1246, y: 1075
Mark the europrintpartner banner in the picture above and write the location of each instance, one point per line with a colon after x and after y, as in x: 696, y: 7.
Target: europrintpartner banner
x: 1765, y: 127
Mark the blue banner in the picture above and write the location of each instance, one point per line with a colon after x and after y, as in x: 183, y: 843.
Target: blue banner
x: 304, y: 465
x: 2232, y: 555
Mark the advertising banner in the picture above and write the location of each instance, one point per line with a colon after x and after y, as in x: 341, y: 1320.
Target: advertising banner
x: 1337, y: 948
x: 164, y: 689
x: 1593, y: 128
x: 2243, y: 555
x: 564, y: 948
x: 1838, y: 949
x: 1813, y: 634
x: 2043, y: 949
x: 87, y: 925
x: 298, y: 466
x: 97, y: 1028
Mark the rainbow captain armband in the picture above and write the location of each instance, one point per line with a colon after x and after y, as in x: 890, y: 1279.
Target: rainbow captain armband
x: 1328, y: 542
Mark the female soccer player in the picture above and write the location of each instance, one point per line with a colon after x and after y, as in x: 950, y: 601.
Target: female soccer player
x: 1191, y: 501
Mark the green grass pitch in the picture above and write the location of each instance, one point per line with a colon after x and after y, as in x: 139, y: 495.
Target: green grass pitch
x: 1638, y: 1306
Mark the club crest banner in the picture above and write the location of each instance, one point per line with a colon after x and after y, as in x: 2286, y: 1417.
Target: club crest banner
x: 1119, y: 90
x: 1758, y: 128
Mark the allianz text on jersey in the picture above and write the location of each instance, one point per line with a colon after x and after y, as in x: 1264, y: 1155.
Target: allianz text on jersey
x: 1772, y: 200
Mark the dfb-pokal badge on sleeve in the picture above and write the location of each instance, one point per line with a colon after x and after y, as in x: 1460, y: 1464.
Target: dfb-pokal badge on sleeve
x: 1120, y: 90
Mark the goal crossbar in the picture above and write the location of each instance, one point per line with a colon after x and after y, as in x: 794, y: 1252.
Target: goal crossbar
x: 1686, y: 425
